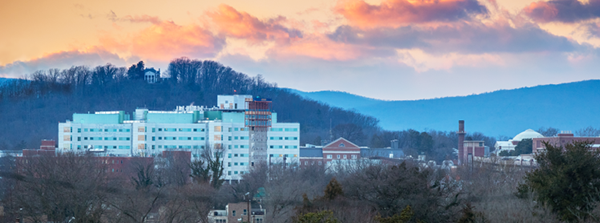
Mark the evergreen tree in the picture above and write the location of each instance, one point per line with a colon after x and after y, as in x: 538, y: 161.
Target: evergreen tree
x: 567, y: 180
x: 333, y: 190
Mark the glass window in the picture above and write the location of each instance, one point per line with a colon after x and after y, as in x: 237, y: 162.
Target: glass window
x: 329, y: 156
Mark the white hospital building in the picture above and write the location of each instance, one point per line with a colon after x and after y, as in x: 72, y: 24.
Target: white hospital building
x: 226, y: 128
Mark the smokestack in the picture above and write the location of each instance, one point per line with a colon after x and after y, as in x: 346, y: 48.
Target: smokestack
x: 462, y: 158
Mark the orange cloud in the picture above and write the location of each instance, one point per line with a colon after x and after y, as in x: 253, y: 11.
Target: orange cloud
x: 166, y: 40
x: 233, y: 23
x: 394, y: 13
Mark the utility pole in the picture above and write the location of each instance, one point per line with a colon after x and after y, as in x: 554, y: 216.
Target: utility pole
x: 248, y: 212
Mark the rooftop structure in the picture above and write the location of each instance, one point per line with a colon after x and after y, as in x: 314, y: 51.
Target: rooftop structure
x: 511, y: 144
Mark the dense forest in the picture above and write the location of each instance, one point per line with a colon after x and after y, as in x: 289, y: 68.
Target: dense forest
x: 32, y: 107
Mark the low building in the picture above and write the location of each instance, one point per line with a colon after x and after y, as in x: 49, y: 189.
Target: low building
x: 238, y: 212
x: 511, y: 144
x: 339, y: 149
x: 342, y: 154
x: 561, y: 139
x: 474, y: 147
x: 151, y: 75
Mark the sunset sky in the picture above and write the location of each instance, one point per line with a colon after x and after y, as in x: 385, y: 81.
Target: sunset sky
x: 390, y: 49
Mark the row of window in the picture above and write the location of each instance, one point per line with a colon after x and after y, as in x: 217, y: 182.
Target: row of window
x: 283, y: 129
x: 283, y: 138
x: 237, y: 164
x: 237, y: 146
x: 179, y: 130
x: 282, y: 147
x: 229, y: 155
x: 101, y: 130
x: 174, y: 147
x: 177, y: 138
x: 237, y: 138
x: 99, y: 147
x: 105, y: 138
x: 342, y: 156
x: 283, y: 155
x: 236, y: 173
x: 313, y: 163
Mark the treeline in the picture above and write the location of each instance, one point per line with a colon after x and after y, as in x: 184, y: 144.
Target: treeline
x: 50, y: 188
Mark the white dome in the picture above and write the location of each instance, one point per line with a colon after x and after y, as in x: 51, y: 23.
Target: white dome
x: 527, y: 134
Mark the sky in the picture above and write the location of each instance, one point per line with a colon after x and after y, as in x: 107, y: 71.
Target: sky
x: 384, y: 49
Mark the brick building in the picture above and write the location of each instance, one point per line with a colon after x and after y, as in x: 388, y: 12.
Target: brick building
x: 115, y: 167
x: 339, y: 149
x: 562, y: 139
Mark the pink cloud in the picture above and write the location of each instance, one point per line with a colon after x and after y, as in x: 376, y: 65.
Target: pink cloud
x: 233, y: 23
x: 394, y: 13
x: 567, y: 11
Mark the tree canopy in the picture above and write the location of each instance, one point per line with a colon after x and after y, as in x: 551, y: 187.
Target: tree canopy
x: 567, y: 180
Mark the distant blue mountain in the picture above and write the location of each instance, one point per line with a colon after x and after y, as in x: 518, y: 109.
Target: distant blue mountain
x: 569, y: 106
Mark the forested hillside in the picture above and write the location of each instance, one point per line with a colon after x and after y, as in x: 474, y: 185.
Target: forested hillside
x: 31, y: 109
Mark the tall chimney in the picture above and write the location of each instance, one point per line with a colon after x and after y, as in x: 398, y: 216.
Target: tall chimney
x: 462, y: 158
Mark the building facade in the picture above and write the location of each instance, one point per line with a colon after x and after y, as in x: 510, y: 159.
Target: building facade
x: 196, y: 129
x: 511, y: 144
x: 561, y: 139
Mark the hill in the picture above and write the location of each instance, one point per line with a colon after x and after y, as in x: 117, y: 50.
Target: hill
x: 31, y: 109
x: 569, y: 106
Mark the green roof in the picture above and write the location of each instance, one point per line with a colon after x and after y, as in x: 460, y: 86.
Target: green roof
x: 213, y: 115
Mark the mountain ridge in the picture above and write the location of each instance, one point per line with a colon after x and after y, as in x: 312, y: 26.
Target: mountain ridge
x: 573, y: 106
